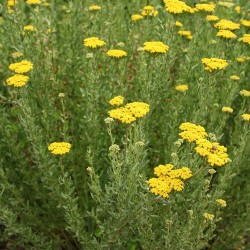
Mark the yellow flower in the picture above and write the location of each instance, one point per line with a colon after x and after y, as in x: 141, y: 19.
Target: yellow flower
x: 12, y: 3
x: 245, y: 92
x: 242, y: 59
x: 212, y: 18
x: 117, y: 53
x: 33, y: 2
x: 245, y: 38
x: 192, y: 132
x: 181, y: 88
x: 16, y: 54
x: 177, y: 7
x: 245, y: 23
x: 149, y: 11
x: 221, y: 202
x: 93, y: 42
x: 95, y: 7
x: 214, y: 64
x: 235, y: 78
x: 155, y: 47
x: 226, y: 4
x: 226, y: 34
x: 227, y: 110
x: 237, y: 9
x: 224, y: 24
x: 168, y: 179
x: 178, y: 24
x: 21, y: 67
x: 208, y: 216
x: 136, y: 17
x: 215, y: 153
x: 185, y: 33
x: 246, y: 117
x: 205, y: 7
x: 46, y: 4
x: 117, y: 101
x: 29, y: 28
x: 59, y: 148
x: 17, y: 80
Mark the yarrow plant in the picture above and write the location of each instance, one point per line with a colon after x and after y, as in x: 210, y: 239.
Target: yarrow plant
x: 155, y: 47
x: 93, y: 42
x: 116, y: 53
x: 168, y: 180
x: 117, y: 101
x: 213, y: 64
x: 59, y: 148
x: 21, y: 67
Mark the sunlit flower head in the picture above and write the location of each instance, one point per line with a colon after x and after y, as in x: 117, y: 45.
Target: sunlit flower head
x: 226, y: 34
x: 208, y: 217
x: 177, y: 7
x: 12, y: 3
x: 117, y: 101
x: 17, y: 80
x: 95, y: 7
x: 213, y: 64
x: 116, y: 53
x: 224, y: 24
x: 21, y: 67
x: 33, y: 2
x: 149, y: 11
x: 212, y: 18
x: 226, y: 4
x: 245, y: 92
x: 155, y: 47
x: 235, y: 78
x: 237, y: 9
x: 181, y: 88
x: 245, y: 38
x: 205, y: 7
x: 93, y: 42
x: 227, y: 110
x: 136, y: 17
x: 246, y: 117
x: 178, y: 24
x: 59, y: 148
x: 221, y: 202
x: 29, y: 28
x: 185, y: 33
x: 245, y: 23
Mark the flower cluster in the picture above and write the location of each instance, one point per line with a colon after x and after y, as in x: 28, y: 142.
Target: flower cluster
x: 186, y: 33
x: 192, y: 132
x: 214, y: 64
x: 177, y: 7
x: 155, y: 47
x: 116, y: 53
x: 130, y: 112
x: 95, y: 7
x: 59, y: 148
x: 221, y: 202
x: 205, y: 7
x: 29, y: 28
x: 20, y: 68
x: 181, y: 88
x: 235, y: 78
x: 215, y: 153
x: 245, y: 23
x: 149, y: 11
x: 224, y: 24
x: 212, y: 18
x: 245, y: 38
x: 245, y: 92
x: 246, y: 117
x: 168, y: 179
x: 117, y: 101
x: 93, y: 42
x: 33, y: 2
x: 136, y: 17
x: 227, y: 110
x: 226, y: 34
x: 208, y: 217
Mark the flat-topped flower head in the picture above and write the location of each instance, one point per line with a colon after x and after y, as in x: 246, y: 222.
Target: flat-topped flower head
x: 136, y: 17
x: 181, y: 88
x: 215, y: 153
x: 246, y: 117
x: 245, y: 38
x: 213, y: 64
x: 130, y: 113
x: 192, y: 132
x: 226, y: 34
x: 208, y: 217
x: 205, y: 7
x: 95, y: 7
x: 177, y: 7
x: 149, y: 11
x: 185, y: 33
x: 224, y: 24
x: 245, y: 92
x: 93, y: 42
x: 117, y: 101
x: 59, y: 148
x: 227, y: 110
x: 245, y: 23
x: 116, y: 53
x: 235, y: 78
x: 212, y: 18
x: 29, y: 28
x: 21, y: 67
x: 155, y: 47
x: 33, y: 2
x: 16, y: 54
x: 17, y: 80
x: 178, y: 24
x: 168, y: 180
x: 221, y: 202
